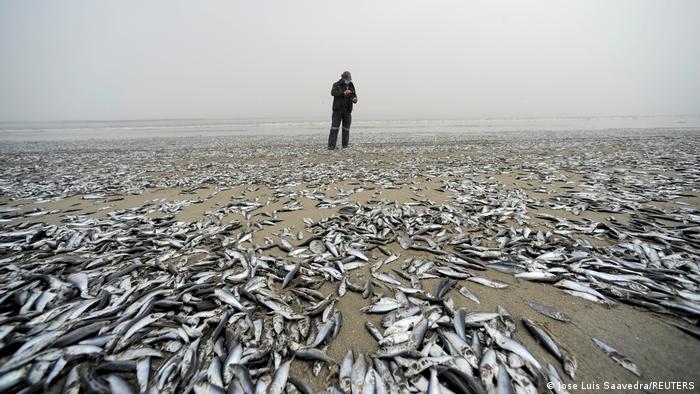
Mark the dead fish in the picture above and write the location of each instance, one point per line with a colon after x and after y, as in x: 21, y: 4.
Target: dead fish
x: 348, y: 210
x: 487, y: 282
x: 13, y: 378
x: 488, y: 368
x: 317, y: 246
x: 537, y: 276
x: 92, y: 197
x: 478, y: 318
x: 511, y: 345
x: 405, y: 241
x: 451, y: 273
x: 507, y: 268
x: 119, y: 385
x: 550, y: 342
x: 280, y: 378
x: 229, y: 298
x: 359, y: 370
x: 619, y: 358
x: 384, y: 277
x: 285, y: 245
x: 357, y: 253
x: 549, y: 312
x: 313, y: 354
x: 345, y: 373
x: 374, y: 331
x: 468, y: 294
x: 290, y: 276
x: 406, y: 349
x: 383, y: 305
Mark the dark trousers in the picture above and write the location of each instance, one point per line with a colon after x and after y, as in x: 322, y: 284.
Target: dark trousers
x: 336, y: 119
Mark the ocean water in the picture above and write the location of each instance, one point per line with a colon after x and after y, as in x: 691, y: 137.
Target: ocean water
x: 131, y: 129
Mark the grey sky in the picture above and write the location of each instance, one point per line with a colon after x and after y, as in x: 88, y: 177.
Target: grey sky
x: 73, y: 60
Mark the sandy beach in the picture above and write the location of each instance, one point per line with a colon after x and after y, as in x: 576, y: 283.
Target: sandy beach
x: 600, y: 183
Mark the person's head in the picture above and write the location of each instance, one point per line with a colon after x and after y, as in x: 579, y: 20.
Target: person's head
x: 346, y: 77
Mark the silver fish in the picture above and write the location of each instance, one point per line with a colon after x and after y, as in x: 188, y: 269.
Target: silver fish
x: 619, y: 358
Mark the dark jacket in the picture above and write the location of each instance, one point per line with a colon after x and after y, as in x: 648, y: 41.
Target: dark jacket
x: 340, y: 102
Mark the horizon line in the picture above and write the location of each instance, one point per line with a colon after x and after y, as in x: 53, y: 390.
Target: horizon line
x: 281, y: 118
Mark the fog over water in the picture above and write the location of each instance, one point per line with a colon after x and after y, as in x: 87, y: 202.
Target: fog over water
x: 239, y: 61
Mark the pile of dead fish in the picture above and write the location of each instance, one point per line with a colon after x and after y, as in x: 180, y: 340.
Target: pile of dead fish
x: 138, y: 303
x: 135, y: 303
x: 620, y: 179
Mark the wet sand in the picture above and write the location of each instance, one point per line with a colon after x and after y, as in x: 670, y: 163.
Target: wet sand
x: 662, y: 351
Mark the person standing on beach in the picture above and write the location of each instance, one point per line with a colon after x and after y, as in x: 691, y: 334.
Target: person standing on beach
x: 344, y: 96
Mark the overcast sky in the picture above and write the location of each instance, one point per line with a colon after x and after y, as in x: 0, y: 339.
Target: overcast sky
x: 122, y: 59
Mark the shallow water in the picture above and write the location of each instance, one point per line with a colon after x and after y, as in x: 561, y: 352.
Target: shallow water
x: 120, y: 129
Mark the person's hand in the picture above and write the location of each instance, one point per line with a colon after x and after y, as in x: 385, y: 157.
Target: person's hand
x: 348, y: 93
x: 354, y: 100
